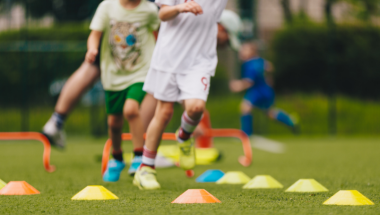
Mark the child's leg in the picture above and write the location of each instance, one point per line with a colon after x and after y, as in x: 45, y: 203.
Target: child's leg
x: 116, y: 165
x: 246, y: 118
x: 115, y: 125
x: 191, y: 117
x: 73, y: 89
x: 281, y: 116
x: 132, y: 115
x: 162, y: 116
x: 147, y: 109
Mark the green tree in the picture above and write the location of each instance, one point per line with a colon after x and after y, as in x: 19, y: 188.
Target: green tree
x: 365, y: 9
x: 62, y: 10
x: 285, y: 4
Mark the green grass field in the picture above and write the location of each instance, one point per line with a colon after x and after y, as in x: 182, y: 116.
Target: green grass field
x: 337, y: 163
x: 354, y: 116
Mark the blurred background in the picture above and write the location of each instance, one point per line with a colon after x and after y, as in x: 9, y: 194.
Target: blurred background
x: 325, y: 53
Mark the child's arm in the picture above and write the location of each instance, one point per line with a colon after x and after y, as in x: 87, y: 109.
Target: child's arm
x: 240, y: 85
x: 269, y: 67
x: 170, y: 12
x: 93, y: 45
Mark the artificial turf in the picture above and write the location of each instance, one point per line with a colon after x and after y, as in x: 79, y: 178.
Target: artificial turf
x: 340, y: 163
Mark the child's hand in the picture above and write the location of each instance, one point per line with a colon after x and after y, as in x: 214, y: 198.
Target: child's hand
x: 190, y: 7
x: 235, y: 86
x: 91, y: 55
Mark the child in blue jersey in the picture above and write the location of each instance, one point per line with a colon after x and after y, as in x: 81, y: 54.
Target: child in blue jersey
x: 259, y: 94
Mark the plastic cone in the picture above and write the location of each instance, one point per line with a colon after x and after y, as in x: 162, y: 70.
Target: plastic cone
x: 2, y: 184
x: 196, y: 196
x: 18, y: 188
x: 234, y: 178
x: 212, y: 175
x: 94, y: 192
x: 348, y: 197
x: 307, y: 186
x: 263, y: 182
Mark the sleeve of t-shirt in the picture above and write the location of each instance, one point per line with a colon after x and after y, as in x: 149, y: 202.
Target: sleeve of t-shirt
x: 165, y: 2
x: 99, y: 21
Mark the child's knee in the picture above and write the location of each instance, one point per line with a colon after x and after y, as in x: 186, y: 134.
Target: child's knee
x: 196, y: 108
x: 115, y: 123
x: 131, y: 113
x: 165, y: 113
x: 245, y: 108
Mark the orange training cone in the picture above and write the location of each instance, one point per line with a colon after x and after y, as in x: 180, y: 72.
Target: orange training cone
x: 18, y: 188
x: 196, y: 196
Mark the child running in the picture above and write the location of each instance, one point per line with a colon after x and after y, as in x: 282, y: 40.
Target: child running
x: 259, y: 94
x: 126, y: 27
x: 183, y: 62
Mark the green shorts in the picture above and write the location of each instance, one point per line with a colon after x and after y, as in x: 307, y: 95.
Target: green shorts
x: 115, y: 100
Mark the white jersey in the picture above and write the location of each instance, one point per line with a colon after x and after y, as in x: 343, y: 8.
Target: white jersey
x: 187, y: 43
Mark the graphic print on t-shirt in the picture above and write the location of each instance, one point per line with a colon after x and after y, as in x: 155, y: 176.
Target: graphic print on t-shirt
x: 125, y: 46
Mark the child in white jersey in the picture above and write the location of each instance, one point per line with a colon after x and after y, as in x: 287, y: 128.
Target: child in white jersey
x: 127, y: 47
x: 183, y: 62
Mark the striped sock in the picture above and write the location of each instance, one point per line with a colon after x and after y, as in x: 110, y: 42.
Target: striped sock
x: 149, y: 157
x: 188, y: 126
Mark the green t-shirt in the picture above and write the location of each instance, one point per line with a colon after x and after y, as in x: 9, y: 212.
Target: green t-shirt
x: 128, y: 42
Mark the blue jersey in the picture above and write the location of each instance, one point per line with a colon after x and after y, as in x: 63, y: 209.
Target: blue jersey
x: 260, y: 94
x: 254, y: 70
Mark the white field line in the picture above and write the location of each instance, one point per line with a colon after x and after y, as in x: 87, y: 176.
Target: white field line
x: 267, y: 145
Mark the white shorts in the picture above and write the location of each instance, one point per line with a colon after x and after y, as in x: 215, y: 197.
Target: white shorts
x: 173, y: 87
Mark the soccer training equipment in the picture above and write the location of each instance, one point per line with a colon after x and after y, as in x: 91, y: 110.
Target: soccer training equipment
x: 145, y: 179
x: 263, y: 182
x: 212, y: 175
x: 234, y: 178
x: 196, y: 196
x: 114, y: 168
x: 2, y: 184
x: 56, y: 136
x: 348, y: 197
x: 307, y: 186
x: 94, y: 193
x: 18, y: 188
x: 136, y: 162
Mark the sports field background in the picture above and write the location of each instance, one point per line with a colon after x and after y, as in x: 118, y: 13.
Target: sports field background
x: 337, y: 163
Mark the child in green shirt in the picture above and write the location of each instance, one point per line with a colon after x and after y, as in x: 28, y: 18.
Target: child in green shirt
x: 125, y: 28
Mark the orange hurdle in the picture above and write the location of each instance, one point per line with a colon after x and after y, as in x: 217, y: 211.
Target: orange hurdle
x: 245, y: 160
x: 32, y: 136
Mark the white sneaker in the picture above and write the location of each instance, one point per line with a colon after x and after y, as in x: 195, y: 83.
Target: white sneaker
x: 145, y: 179
x: 56, y: 136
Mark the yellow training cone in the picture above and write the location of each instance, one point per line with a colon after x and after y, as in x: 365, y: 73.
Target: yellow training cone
x: 234, y: 178
x: 307, y: 186
x: 263, y: 182
x: 2, y: 184
x: 94, y: 193
x: 348, y: 197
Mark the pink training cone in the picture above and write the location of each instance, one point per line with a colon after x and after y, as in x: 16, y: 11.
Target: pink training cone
x: 18, y: 188
x: 192, y: 196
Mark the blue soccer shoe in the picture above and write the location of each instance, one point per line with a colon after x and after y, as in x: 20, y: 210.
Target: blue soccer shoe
x: 136, y: 162
x: 114, y: 168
